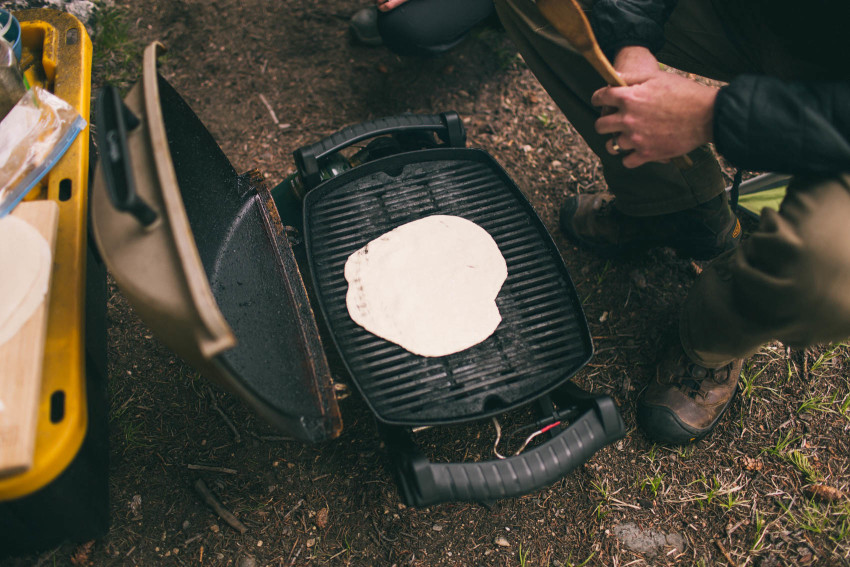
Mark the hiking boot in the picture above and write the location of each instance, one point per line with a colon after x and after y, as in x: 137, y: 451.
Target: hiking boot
x: 702, y: 232
x: 364, y: 26
x: 685, y: 401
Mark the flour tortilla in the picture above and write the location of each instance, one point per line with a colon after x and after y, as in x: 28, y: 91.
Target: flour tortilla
x: 25, y: 264
x: 429, y: 286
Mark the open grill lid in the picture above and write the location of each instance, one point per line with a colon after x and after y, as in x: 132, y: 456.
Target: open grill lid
x: 200, y: 252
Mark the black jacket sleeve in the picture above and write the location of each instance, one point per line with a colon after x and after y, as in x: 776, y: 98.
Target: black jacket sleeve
x: 766, y: 124
x: 618, y: 23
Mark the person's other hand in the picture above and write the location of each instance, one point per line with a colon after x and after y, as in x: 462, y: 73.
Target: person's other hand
x: 658, y: 116
x: 387, y: 5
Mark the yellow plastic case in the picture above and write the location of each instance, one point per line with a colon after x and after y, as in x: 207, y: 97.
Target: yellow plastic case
x: 57, y: 54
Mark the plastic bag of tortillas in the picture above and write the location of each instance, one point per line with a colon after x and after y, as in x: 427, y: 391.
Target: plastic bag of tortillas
x: 33, y: 136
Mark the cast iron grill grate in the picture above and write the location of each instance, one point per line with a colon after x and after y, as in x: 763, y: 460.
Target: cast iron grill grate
x: 543, y: 337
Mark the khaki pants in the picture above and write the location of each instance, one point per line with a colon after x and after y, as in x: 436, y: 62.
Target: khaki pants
x: 790, y: 280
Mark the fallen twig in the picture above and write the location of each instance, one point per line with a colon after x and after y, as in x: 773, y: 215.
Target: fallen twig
x: 211, y: 469
x: 271, y: 437
x: 726, y: 553
x: 270, y: 109
x: 300, y: 502
x: 210, y: 500
x: 236, y: 437
x: 297, y: 553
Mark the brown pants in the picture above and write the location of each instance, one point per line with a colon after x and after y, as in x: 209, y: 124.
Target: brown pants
x: 790, y: 280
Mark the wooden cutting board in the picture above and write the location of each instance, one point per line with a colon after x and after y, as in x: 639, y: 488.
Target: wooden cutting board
x: 21, y: 360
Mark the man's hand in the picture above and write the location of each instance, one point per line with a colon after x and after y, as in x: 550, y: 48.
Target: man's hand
x: 387, y: 5
x: 658, y: 116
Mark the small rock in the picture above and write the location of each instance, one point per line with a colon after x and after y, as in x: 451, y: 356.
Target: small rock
x: 214, y: 528
x: 650, y: 542
x: 437, y: 528
x: 186, y: 525
x: 246, y: 561
x: 311, y: 542
x: 502, y: 541
x: 556, y: 163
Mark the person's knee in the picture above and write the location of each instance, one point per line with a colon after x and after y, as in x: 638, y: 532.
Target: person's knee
x: 796, y: 266
x: 427, y: 28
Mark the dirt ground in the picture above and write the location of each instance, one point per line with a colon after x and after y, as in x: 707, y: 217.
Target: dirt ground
x: 769, y: 487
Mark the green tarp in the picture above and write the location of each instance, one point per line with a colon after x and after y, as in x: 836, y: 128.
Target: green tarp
x: 766, y: 190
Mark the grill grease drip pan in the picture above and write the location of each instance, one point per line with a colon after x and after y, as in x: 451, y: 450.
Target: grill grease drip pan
x: 543, y: 338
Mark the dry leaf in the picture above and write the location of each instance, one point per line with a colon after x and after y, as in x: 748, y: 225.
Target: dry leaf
x: 80, y: 557
x: 322, y: 518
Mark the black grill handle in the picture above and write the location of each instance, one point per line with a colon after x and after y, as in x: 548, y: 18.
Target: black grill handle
x: 114, y: 120
x: 447, y: 125
x: 423, y: 483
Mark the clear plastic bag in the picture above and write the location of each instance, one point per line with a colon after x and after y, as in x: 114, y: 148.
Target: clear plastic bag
x: 33, y: 136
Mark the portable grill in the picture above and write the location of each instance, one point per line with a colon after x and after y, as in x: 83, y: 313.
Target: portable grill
x: 203, y: 255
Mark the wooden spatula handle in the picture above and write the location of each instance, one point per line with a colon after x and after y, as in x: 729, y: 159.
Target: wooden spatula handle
x: 569, y: 20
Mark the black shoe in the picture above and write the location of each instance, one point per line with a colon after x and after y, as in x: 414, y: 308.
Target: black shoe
x: 702, y: 232
x: 685, y: 401
x: 364, y: 25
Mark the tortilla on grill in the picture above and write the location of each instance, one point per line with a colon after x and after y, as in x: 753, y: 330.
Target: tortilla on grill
x: 429, y: 286
x: 25, y: 262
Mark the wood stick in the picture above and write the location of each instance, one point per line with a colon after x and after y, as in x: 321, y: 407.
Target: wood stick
x: 210, y: 500
x: 569, y: 20
x: 211, y: 469
x: 236, y: 437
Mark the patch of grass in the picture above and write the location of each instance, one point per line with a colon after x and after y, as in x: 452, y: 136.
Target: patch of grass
x: 827, y: 356
x: 802, y: 464
x: 569, y: 561
x: 781, y: 444
x: 844, y: 409
x: 652, y: 454
x: 599, y: 279
x: 711, y: 491
x: 546, y: 121
x: 831, y: 520
x: 116, y: 56
x: 523, y: 556
x: 826, y: 404
x: 732, y: 500
x: 604, y: 491
x: 761, y: 529
x: 653, y: 483
x: 687, y: 451
x: 133, y: 436
x: 748, y: 379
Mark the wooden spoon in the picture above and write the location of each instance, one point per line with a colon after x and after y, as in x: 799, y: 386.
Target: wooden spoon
x: 569, y: 20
